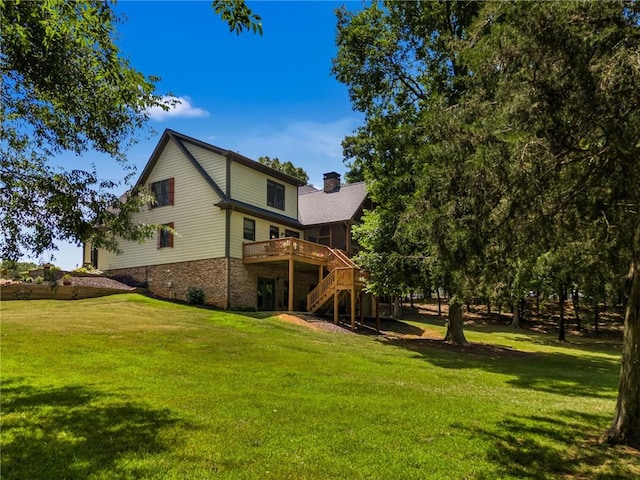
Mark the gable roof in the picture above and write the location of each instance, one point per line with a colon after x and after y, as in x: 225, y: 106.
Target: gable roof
x: 180, y: 138
x: 317, y: 207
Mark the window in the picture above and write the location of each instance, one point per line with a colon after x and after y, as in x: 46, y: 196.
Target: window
x: 324, y: 236
x: 274, y: 232
x: 275, y: 195
x: 163, y: 192
x: 291, y: 233
x: 165, y: 237
x: 94, y: 257
x: 249, y: 229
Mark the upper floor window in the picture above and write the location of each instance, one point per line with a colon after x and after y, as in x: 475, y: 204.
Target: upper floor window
x: 163, y: 191
x: 165, y: 236
x: 275, y: 195
x: 249, y: 229
x: 291, y: 233
x: 274, y: 232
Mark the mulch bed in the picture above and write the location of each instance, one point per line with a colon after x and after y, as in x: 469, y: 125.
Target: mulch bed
x: 99, y: 282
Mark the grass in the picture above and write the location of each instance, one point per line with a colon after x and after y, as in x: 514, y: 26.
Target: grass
x: 130, y: 387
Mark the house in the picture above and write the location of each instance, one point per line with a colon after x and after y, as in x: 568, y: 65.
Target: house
x: 247, y: 235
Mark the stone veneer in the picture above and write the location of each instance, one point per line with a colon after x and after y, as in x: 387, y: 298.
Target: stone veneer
x: 172, y: 280
x: 244, y: 284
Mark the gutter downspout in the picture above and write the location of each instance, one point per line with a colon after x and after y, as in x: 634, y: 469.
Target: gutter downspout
x: 227, y: 233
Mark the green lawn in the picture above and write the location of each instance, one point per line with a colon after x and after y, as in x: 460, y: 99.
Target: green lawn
x: 130, y: 387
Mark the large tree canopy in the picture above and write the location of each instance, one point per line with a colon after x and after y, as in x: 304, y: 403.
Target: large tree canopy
x: 503, y: 138
x: 66, y: 89
x: 285, y: 167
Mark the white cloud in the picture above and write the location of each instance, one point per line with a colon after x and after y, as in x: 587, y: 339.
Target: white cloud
x: 183, y: 109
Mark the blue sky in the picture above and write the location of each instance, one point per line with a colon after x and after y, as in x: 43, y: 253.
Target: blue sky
x: 258, y: 95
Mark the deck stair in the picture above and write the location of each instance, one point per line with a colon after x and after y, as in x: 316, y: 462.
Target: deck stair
x: 344, y: 276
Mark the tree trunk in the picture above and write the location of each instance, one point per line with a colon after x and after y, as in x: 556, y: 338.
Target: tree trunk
x: 411, y: 298
x: 439, y: 302
x: 455, y: 332
x: 596, y: 314
x: 488, y: 307
x: 625, y: 428
x: 397, y: 307
x: 515, y: 323
x: 537, y: 304
x: 576, y: 308
x: 561, y: 298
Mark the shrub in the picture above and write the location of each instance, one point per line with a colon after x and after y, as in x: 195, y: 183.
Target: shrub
x: 195, y: 296
x: 88, y: 268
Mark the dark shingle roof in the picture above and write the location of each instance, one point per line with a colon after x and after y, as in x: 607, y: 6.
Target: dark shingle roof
x: 317, y: 207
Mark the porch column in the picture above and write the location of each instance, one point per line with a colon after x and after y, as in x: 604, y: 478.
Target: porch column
x: 291, y: 284
x: 320, y: 270
x: 335, y: 306
x: 353, y: 308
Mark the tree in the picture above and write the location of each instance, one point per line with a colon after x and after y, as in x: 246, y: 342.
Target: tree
x: 238, y: 16
x: 520, y: 128
x: 560, y: 85
x: 66, y: 89
x: 287, y: 168
x: 399, y: 65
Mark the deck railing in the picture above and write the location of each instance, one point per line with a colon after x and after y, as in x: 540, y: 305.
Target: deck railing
x: 279, y: 247
x: 340, y: 278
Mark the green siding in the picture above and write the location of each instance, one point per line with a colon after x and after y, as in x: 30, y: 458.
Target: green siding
x: 262, y: 231
x: 250, y: 186
x: 200, y: 225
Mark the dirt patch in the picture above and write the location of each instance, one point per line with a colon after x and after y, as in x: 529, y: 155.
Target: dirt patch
x: 314, y: 324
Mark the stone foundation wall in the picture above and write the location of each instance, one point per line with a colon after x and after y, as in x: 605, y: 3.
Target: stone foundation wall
x: 174, y: 279
x: 244, y: 285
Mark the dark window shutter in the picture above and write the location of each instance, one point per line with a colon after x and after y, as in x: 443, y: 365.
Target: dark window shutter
x: 171, y: 190
x: 159, y: 243
x: 170, y: 234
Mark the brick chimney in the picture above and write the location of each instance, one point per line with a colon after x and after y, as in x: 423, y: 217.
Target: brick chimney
x: 331, y: 182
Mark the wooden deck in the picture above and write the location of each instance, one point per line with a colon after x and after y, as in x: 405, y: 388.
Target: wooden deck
x: 344, y: 276
x: 284, y: 249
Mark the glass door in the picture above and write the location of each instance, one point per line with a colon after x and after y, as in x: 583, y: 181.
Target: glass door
x: 266, y: 294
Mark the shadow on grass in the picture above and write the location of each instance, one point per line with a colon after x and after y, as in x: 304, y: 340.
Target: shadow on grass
x: 560, y: 446
x: 74, y: 432
x: 557, y: 373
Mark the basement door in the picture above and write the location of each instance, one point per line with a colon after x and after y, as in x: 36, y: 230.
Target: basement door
x: 266, y: 294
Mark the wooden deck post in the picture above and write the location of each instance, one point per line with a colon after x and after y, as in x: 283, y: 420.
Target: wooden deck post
x: 291, y: 284
x: 335, y: 306
x: 320, y: 271
x: 353, y: 308
x: 377, y: 313
x: 361, y: 302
